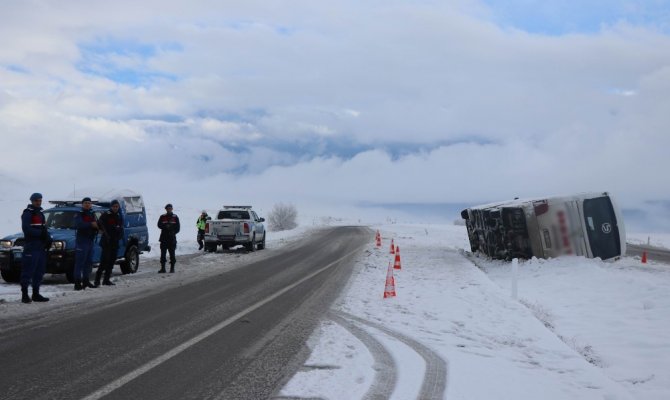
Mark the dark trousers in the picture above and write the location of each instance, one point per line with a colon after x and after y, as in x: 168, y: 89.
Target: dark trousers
x: 34, y: 263
x: 168, y: 247
x: 107, y: 259
x: 201, y: 237
x: 83, y: 260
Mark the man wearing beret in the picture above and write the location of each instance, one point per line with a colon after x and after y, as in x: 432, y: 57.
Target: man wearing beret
x: 111, y: 226
x: 87, y: 229
x: 37, y: 241
x: 168, y: 223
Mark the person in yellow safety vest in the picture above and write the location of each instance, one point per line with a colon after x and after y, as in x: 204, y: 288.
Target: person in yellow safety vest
x: 200, y: 224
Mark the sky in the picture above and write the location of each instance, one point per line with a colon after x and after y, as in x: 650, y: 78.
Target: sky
x: 381, y: 106
x: 577, y: 328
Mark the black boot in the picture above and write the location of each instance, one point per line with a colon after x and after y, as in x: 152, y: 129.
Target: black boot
x: 38, y: 297
x: 162, y: 270
x: 107, y: 281
x: 87, y: 284
x: 24, y: 295
x: 77, y: 285
x: 98, y: 275
x: 172, y: 268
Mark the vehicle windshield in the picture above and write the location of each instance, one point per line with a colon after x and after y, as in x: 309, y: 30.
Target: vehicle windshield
x: 60, y: 219
x: 602, y: 228
x: 232, y: 214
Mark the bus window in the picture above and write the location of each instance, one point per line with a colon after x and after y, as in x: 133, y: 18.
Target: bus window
x: 602, y: 229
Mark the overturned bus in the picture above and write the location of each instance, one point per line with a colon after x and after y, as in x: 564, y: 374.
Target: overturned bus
x: 588, y: 225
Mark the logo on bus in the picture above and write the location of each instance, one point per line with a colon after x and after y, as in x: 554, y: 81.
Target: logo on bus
x: 607, y: 228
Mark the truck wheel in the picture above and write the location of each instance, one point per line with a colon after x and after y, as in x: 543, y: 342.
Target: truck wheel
x: 10, y: 277
x: 131, y: 261
x: 210, y: 247
x: 261, y: 244
x: 252, y: 246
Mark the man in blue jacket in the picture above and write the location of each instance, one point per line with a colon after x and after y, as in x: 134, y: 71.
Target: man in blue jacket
x: 87, y: 229
x: 37, y: 241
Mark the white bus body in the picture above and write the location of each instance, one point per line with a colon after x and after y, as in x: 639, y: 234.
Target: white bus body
x: 588, y: 225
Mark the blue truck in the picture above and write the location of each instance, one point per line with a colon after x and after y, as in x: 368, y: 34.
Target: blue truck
x: 60, y: 224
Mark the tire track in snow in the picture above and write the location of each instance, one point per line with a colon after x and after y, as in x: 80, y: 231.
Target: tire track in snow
x: 386, y: 376
x: 435, y: 379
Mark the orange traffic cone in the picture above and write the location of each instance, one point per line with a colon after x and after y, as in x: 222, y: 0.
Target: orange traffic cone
x: 644, y: 257
x: 392, y: 247
x: 396, y: 264
x: 379, y: 241
x: 389, y: 287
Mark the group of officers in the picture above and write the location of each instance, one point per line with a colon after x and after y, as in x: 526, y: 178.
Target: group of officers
x: 110, y: 225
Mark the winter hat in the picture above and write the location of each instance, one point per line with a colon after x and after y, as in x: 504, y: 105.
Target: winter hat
x: 204, y: 211
x: 85, y: 199
x: 35, y: 196
x: 115, y: 201
x: 168, y: 205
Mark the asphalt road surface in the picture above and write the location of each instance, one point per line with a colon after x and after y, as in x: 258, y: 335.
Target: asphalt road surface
x: 657, y: 254
x: 237, y: 335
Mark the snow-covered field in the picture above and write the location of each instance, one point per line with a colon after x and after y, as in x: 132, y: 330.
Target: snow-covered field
x: 579, y: 328
x: 652, y: 239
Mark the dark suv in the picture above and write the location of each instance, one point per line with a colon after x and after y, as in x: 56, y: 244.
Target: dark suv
x: 60, y: 224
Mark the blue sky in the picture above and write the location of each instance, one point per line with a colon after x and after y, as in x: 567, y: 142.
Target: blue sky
x: 578, y: 17
x: 327, y: 105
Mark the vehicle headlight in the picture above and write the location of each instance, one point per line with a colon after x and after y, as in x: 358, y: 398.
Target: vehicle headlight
x: 5, y: 244
x: 58, y: 245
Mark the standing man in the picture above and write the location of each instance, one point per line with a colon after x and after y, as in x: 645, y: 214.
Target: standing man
x: 37, y: 241
x: 200, y: 224
x: 168, y: 223
x: 111, y: 225
x: 87, y: 228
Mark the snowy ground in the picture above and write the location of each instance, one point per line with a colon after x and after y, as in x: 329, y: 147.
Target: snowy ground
x: 580, y: 329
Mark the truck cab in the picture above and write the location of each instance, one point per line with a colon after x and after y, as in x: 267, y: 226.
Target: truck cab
x: 60, y: 225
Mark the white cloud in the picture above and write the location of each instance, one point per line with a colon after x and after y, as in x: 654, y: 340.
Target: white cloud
x: 260, y: 94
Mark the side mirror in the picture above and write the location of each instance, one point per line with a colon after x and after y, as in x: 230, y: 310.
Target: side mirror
x: 262, y: 219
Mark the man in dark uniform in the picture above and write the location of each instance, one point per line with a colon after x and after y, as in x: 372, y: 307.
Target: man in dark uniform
x: 168, y: 223
x: 111, y: 225
x: 87, y: 229
x: 37, y: 241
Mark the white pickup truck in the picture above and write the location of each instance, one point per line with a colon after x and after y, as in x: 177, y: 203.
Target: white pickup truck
x: 235, y: 225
